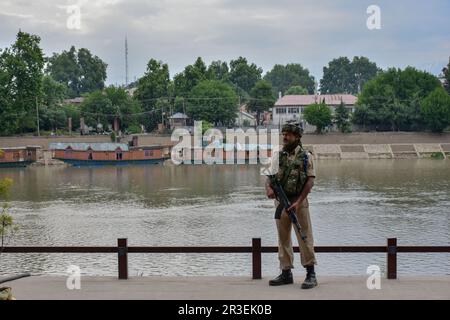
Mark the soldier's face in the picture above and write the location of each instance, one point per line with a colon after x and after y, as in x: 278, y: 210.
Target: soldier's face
x: 288, y: 138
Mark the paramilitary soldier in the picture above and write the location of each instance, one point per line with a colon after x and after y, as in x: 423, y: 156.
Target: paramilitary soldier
x: 296, y: 170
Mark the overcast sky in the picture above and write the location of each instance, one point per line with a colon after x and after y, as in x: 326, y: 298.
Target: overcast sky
x: 266, y: 32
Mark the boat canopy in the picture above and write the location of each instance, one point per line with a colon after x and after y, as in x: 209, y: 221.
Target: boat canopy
x: 78, y: 146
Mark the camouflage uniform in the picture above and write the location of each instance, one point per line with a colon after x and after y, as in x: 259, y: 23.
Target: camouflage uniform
x: 292, y: 176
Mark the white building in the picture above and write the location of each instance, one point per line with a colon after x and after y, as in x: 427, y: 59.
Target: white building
x: 291, y: 107
x: 244, y: 118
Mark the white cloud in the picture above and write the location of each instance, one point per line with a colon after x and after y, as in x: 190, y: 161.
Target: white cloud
x: 267, y: 32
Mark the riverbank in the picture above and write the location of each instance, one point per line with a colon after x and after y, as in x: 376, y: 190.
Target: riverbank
x: 308, y: 139
x: 236, y: 288
x: 362, y: 145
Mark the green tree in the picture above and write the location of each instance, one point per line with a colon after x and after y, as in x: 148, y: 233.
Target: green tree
x: 261, y: 98
x: 206, y: 125
x: 103, y: 106
x: 54, y: 92
x: 341, y: 118
x: 81, y: 71
x: 435, y: 109
x: 282, y: 77
x: 345, y: 76
x: 244, y: 75
x: 319, y: 115
x: 8, y: 118
x: 190, y: 77
x: 7, y: 225
x: 213, y: 101
x: 446, y: 74
x: 392, y: 99
x: 296, y: 90
x: 155, y: 84
x: 21, y: 78
x: 218, y: 70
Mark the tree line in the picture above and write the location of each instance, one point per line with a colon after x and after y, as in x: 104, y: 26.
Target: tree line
x: 33, y: 87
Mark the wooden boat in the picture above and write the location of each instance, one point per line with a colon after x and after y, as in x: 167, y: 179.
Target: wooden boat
x: 18, y: 156
x: 92, y: 154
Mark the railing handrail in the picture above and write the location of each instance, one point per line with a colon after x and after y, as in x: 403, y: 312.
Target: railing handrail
x: 122, y: 249
x: 217, y: 249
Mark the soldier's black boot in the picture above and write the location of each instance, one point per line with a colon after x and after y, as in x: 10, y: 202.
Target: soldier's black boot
x: 310, y: 280
x: 284, y: 278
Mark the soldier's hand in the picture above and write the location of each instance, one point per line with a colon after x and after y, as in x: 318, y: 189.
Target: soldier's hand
x: 294, y: 206
x: 269, y: 192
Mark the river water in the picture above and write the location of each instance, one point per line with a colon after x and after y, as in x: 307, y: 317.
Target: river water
x: 359, y: 202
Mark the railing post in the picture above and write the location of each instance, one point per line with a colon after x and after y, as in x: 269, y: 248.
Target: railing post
x: 122, y: 251
x: 392, y: 258
x: 256, y: 258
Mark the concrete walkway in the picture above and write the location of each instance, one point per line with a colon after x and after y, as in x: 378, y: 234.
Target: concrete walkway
x: 54, y: 287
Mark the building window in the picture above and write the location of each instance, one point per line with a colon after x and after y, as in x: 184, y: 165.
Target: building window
x: 90, y: 156
x: 16, y: 155
x: 148, y: 153
x: 281, y: 110
x: 293, y: 110
x: 119, y: 156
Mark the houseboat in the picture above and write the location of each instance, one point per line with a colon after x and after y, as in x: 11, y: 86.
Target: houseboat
x: 18, y: 156
x: 91, y: 154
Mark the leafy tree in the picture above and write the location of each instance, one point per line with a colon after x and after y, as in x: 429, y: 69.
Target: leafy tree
x: 392, y: 99
x: 21, y: 78
x: 341, y: 117
x: 213, y: 101
x: 7, y: 225
x: 206, y: 125
x: 190, y: 77
x: 102, y: 107
x: 435, y: 109
x: 261, y: 98
x: 8, y: 118
x: 155, y: 84
x: 53, y: 92
x: 362, y: 115
x: 79, y: 70
x: 244, y: 75
x: 218, y: 70
x: 296, y: 90
x: 446, y: 74
x: 293, y: 74
x: 345, y: 76
x: 319, y: 115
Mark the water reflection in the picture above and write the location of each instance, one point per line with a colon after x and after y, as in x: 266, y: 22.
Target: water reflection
x: 354, y: 202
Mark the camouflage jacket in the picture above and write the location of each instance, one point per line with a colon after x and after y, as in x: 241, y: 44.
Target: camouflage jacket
x: 292, y: 173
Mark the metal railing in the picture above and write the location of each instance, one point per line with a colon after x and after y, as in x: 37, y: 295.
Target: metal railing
x: 122, y: 249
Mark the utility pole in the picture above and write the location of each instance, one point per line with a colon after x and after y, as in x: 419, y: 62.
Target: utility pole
x: 37, y: 118
x: 126, y: 61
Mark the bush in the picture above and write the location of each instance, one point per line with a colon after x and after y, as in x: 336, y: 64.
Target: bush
x: 319, y: 115
x: 435, y: 109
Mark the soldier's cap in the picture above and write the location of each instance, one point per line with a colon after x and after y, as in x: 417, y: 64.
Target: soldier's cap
x: 293, y: 127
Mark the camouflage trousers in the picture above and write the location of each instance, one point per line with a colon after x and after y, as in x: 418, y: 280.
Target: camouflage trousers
x: 284, y: 227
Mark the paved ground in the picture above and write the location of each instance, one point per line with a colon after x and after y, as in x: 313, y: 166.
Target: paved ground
x: 54, y: 287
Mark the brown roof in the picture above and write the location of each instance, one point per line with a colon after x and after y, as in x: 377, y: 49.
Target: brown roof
x: 304, y: 100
